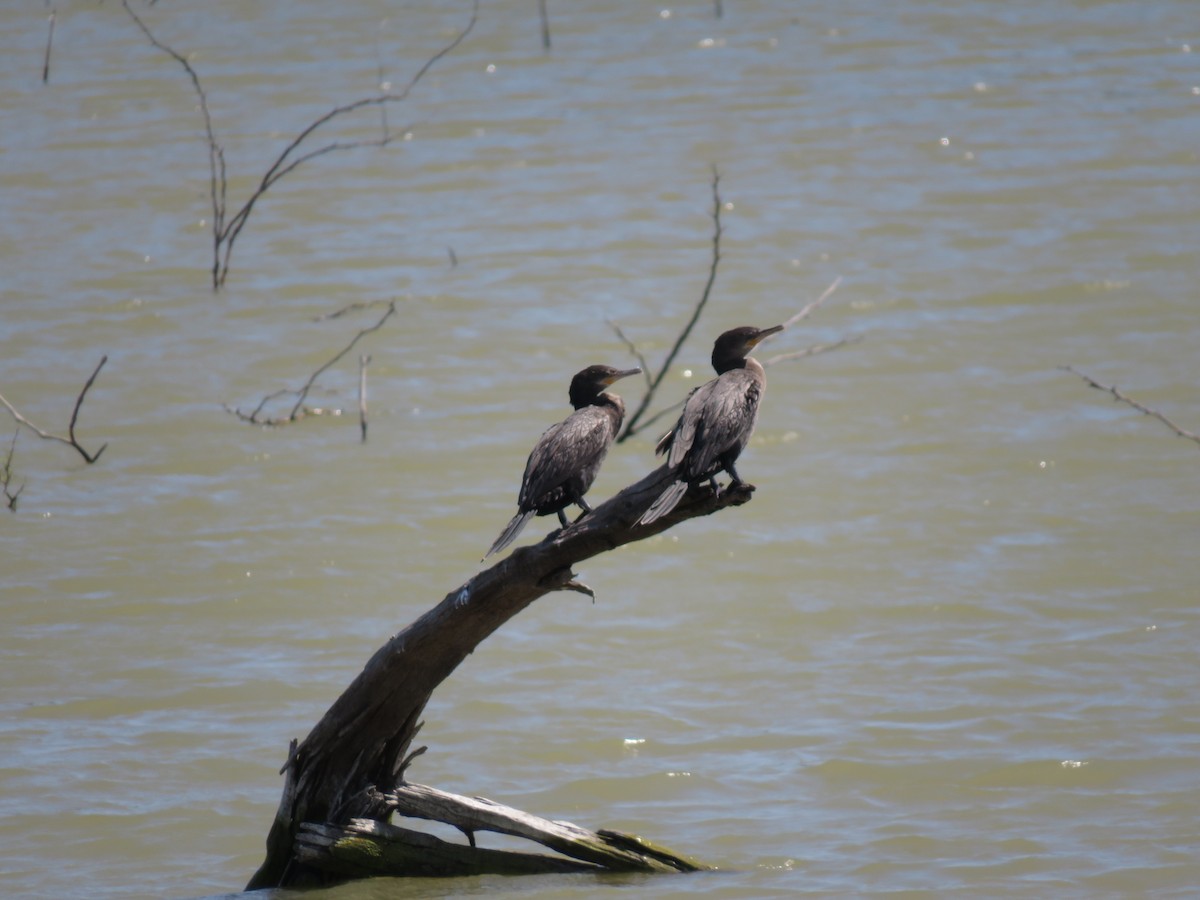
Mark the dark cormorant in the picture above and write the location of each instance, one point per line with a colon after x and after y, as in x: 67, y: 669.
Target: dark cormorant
x: 717, y: 420
x: 568, y: 455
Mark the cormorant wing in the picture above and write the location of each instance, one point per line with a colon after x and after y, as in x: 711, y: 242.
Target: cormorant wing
x: 565, y: 451
x: 683, y: 435
x: 722, y: 421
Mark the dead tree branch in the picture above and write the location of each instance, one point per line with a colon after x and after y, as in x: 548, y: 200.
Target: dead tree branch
x: 363, y: 361
x: 814, y: 350
x: 360, y: 748
x: 49, y: 44
x: 812, y: 307
x: 631, y: 424
x: 352, y: 307
x: 6, y: 475
x: 70, y: 440
x: 545, y: 17
x: 634, y: 423
x: 226, y: 229
x: 299, y: 410
x: 366, y: 847
x: 1140, y: 407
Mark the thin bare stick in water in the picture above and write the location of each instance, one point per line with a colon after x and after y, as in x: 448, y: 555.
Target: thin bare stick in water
x: 217, y: 182
x: 631, y: 425
x: 6, y: 474
x: 363, y: 361
x: 49, y: 43
x: 226, y: 230
x: 812, y: 307
x: 351, y: 307
x: 653, y: 381
x: 545, y: 17
x: 1140, y: 407
x: 70, y: 440
x: 632, y: 347
x: 298, y: 410
x: 814, y: 350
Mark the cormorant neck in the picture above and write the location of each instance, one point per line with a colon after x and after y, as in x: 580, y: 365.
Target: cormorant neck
x: 744, y: 362
x: 726, y: 365
x: 597, y: 398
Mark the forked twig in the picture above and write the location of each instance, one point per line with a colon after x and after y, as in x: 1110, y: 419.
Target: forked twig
x: 1140, y: 407
x: 634, y: 424
x: 6, y: 475
x: 70, y: 440
x: 632, y: 347
x: 299, y: 411
x: 631, y: 425
x: 226, y: 230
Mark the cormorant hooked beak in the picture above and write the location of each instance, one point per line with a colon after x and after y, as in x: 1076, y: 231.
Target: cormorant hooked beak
x: 755, y: 340
x: 617, y: 376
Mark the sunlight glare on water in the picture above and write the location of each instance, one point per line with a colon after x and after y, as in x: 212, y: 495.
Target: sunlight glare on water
x: 948, y: 648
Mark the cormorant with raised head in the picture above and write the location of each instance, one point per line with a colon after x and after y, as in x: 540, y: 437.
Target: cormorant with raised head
x: 568, y: 455
x: 717, y: 420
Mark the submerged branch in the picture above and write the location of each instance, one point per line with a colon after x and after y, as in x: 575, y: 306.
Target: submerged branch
x: 631, y: 425
x: 299, y: 411
x: 814, y: 350
x: 6, y: 475
x: 70, y: 440
x: 225, y: 232
x: 49, y: 44
x: 1140, y: 407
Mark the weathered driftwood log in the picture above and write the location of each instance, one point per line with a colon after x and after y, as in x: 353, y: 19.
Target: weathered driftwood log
x: 366, y: 847
x: 357, y: 754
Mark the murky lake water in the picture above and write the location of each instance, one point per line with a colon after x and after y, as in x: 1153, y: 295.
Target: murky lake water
x: 950, y: 647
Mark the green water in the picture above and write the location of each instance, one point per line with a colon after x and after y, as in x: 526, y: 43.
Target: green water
x: 949, y: 647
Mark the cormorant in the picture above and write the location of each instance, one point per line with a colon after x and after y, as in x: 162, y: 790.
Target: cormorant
x: 568, y: 455
x: 717, y: 420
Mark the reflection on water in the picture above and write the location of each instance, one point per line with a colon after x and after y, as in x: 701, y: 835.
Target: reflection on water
x: 946, y: 648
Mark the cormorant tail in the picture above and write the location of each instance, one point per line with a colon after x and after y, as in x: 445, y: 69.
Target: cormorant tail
x: 666, y: 502
x: 511, y: 530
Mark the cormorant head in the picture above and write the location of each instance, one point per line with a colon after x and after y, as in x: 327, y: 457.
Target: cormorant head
x: 732, y: 348
x: 589, y: 384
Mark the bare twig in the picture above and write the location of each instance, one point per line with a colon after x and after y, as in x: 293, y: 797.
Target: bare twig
x: 545, y: 17
x: 226, y: 230
x: 632, y: 347
x: 631, y: 425
x: 70, y: 440
x: 6, y: 475
x: 635, y: 423
x: 812, y: 307
x: 814, y: 350
x: 1140, y: 407
x: 363, y: 361
x: 49, y: 43
x: 217, y: 182
x: 299, y: 411
x: 664, y: 412
x: 351, y: 307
